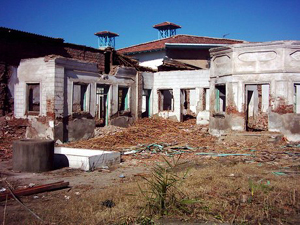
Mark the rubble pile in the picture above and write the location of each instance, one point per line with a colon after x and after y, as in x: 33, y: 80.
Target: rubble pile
x: 10, y: 129
x: 147, y: 131
x: 107, y: 130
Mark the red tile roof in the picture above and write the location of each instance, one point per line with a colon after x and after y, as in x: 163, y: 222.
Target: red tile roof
x: 180, y: 38
x: 106, y: 33
x: 166, y: 24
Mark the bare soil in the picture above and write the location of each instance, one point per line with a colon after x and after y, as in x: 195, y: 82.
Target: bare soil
x: 257, y: 181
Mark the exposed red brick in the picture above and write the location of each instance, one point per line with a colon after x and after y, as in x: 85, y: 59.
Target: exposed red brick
x: 232, y: 110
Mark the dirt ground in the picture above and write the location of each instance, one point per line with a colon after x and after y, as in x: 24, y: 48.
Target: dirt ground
x: 240, y: 178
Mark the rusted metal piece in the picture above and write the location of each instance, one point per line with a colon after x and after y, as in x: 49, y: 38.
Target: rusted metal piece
x: 34, y: 190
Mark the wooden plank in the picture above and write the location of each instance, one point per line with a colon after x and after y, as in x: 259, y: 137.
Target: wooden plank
x: 34, y: 190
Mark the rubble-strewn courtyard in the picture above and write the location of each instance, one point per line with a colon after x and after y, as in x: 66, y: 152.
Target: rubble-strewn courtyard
x: 238, y: 178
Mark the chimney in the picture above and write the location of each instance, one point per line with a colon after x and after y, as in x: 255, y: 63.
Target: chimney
x: 106, y: 39
x: 166, y: 29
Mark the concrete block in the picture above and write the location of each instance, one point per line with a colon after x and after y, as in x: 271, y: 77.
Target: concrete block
x: 33, y: 155
x: 85, y: 159
x: 203, y: 118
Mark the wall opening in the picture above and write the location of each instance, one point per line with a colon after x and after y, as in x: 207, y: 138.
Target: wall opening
x: 146, y: 103
x: 166, y: 100
x: 188, y: 104
x: 80, y: 98
x: 123, y: 99
x: 220, y: 98
x: 297, y: 98
x: 102, y: 105
x: 206, y: 96
x: 33, y: 99
x: 107, y: 61
x: 257, y: 105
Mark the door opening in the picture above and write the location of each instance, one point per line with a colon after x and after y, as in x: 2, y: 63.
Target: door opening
x: 257, y: 105
x: 146, y: 103
x: 102, y: 105
x: 188, y: 104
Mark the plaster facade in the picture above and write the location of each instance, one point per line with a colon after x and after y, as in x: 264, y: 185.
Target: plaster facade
x: 256, y: 87
x: 59, y: 83
x: 191, y: 86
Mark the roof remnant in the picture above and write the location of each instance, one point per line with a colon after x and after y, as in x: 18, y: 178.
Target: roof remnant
x: 13, y: 32
x: 172, y: 64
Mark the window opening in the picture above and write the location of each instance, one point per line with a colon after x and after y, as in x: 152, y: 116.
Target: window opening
x: 220, y: 98
x: 123, y: 103
x: 80, y: 97
x: 33, y: 98
x: 166, y: 102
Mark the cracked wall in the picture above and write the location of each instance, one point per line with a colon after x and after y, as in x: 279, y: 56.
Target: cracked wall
x: 261, y: 82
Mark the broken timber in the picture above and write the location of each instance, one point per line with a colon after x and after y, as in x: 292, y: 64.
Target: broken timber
x: 34, y: 190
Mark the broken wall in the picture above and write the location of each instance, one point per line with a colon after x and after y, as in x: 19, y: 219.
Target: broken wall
x: 273, y: 69
x: 63, y: 83
x: 175, y: 82
x: 195, y: 57
x: 16, y: 45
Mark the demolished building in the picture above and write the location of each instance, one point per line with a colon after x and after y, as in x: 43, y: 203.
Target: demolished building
x: 65, y: 90
x: 255, y: 87
x: 180, y: 87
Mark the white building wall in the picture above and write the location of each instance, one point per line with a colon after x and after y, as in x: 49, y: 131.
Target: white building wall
x: 34, y: 71
x: 150, y: 59
x: 177, y: 80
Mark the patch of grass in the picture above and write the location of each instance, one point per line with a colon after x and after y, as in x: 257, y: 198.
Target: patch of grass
x: 162, y: 192
x: 276, y: 202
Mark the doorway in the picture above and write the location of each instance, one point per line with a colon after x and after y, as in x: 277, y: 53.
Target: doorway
x: 257, y: 105
x: 102, y: 105
x: 146, y: 103
x: 187, y: 104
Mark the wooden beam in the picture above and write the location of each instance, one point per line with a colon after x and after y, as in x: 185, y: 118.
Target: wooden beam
x: 34, y: 190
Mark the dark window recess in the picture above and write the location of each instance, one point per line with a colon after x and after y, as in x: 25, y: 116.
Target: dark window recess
x: 297, y: 98
x: 107, y: 62
x: 220, y: 98
x: 166, y: 102
x: 80, y: 98
x: 123, y: 99
x: 33, y: 98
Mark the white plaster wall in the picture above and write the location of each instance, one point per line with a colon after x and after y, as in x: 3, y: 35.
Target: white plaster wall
x: 150, y: 59
x: 177, y: 80
x: 34, y: 71
x: 148, y: 80
x: 59, y: 91
x: 275, y: 65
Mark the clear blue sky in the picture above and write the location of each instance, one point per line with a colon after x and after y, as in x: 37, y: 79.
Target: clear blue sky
x: 76, y: 21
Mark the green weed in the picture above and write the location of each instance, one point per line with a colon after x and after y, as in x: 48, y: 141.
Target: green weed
x: 162, y: 193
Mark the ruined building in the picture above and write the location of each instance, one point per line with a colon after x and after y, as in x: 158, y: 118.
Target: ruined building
x: 180, y: 87
x: 256, y: 87
x: 65, y: 90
